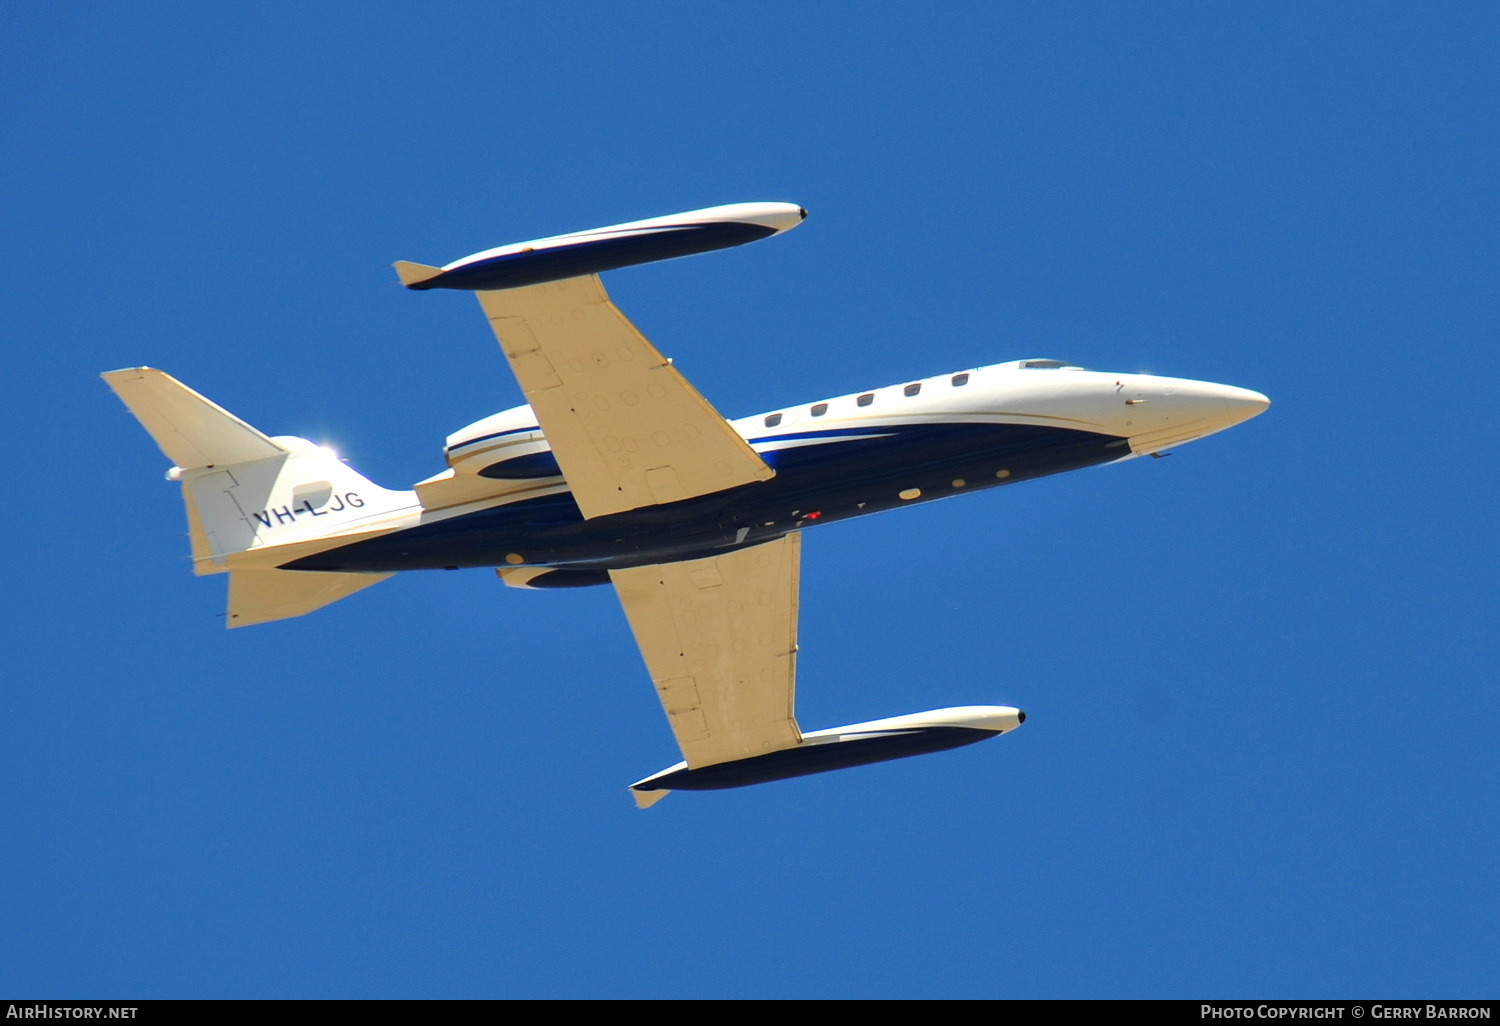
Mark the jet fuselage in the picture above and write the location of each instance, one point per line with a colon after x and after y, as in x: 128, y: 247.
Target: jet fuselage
x: 839, y: 458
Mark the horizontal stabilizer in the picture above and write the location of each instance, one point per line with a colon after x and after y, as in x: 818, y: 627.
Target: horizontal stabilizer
x: 412, y: 274
x: 261, y: 595
x: 192, y: 431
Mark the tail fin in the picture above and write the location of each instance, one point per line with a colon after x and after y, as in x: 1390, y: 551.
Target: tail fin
x: 255, y: 502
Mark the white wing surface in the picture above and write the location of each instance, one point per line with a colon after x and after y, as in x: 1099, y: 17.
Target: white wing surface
x: 719, y: 636
x: 626, y: 428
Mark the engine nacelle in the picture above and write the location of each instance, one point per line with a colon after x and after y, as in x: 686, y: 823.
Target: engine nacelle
x: 508, y: 446
x: 838, y: 748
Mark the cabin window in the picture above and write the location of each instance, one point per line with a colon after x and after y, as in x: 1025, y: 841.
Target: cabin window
x: 820, y: 409
x: 866, y: 399
x: 913, y: 389
x: 772, y: 419
x: 960, y: 379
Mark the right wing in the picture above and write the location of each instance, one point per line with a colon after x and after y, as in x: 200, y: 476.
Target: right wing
x: 719, y: 636
x: 626, y: 428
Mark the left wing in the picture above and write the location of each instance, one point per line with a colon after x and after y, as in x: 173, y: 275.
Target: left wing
x: 626, y: 428
x: 719, y: 636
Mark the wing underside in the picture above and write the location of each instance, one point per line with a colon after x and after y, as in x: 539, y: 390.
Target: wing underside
x: 626, y: 428
x: 719, y: 636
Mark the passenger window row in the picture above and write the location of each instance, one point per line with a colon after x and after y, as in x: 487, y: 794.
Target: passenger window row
x: 818, y: 409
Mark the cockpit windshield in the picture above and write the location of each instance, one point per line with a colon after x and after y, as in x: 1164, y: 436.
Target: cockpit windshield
x: 1048, y: 365
x: 1039, y: 365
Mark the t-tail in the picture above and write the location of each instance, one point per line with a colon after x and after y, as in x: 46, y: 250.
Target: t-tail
x: 255, y: 502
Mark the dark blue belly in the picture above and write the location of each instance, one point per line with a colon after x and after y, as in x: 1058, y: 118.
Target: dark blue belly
x: 814, y: 484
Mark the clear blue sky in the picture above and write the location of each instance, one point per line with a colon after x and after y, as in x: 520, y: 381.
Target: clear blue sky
x: 1260, y: 675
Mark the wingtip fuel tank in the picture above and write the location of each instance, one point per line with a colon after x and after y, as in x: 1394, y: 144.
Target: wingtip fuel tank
x: 838, y: 748
x: 604, y: 249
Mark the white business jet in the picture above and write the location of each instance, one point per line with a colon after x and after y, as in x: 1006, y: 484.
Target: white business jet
x: 618, y: 472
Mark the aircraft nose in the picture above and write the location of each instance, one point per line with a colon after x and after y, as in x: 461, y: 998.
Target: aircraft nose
x: 1181, y: 411
x: 1224, y: 405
